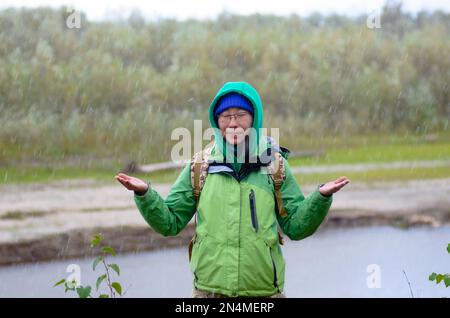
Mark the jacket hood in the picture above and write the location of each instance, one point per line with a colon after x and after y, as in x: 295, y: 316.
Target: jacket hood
x: 256, y: 144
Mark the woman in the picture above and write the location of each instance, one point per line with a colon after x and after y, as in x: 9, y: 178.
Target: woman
x: 237, y: 248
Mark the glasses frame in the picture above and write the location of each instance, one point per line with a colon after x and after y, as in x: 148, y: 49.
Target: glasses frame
x: 238, y: 116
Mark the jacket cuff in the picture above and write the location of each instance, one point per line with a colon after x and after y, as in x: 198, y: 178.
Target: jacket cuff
x: 143, y: 194
x: 323, y: 195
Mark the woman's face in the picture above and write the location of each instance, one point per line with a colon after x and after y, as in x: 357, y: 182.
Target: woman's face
x: 235, y: 124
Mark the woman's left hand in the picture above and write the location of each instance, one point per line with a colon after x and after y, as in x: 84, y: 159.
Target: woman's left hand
x: 333, y: 186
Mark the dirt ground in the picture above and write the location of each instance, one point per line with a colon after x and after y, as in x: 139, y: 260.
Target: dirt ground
x: 56, y: 220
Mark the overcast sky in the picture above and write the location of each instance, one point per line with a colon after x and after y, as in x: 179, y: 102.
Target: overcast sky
x: 182, y: 9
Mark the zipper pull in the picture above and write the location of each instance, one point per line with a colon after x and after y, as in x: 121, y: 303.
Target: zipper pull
x: 253, y: 214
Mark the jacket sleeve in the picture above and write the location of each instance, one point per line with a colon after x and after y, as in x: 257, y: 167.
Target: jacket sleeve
x: 168, y: 217
x: 304, y: 214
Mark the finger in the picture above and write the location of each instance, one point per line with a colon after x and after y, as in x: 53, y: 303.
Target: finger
x: 342, y: 184
x: 340, y: 179
x: 129, y: 186
x: 120, y: 179
x: 123, y: 175
x: 125, y: 183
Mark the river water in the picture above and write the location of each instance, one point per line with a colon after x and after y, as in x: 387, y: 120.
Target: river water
x: 338, y: 262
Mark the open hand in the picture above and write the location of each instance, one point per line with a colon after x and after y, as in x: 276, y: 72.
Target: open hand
x: 132, y: 183
x: 333, y: 186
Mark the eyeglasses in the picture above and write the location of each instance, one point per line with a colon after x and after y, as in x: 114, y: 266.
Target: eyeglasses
x: 240, y: 117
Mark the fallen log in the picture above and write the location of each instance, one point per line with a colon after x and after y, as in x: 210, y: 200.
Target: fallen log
x: 306, y: 153
x: 132, y: 167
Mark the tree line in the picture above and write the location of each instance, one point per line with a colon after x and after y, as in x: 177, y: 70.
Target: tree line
x: 129, y: 82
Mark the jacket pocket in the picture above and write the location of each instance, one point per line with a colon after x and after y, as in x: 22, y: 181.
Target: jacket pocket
x: 275, y: 278
x: 253, y: 213
x: 196, y: 253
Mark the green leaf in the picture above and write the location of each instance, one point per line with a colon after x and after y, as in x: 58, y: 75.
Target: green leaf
x: 439, y: 278
x: 62, y: 281
x: 103, y: 296
x: 96, y: 261
x: 115, y: 267
x: 68, y: 287
x: 97, y: 239
x: 109, y: 250
x: 447, y: 281
x: 84, y: 292
x: 117, y: 287
x: 448, y: 247
x: 100, y: 279
x: 432, y: 277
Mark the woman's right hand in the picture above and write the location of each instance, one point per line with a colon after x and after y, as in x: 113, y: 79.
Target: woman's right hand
x: 132, y: 183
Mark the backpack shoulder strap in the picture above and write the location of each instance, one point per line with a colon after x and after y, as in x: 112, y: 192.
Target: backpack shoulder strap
x: 199, y: 171
x: 277, y: 172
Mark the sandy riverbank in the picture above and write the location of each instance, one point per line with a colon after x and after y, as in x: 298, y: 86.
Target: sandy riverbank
x: 41, y: 222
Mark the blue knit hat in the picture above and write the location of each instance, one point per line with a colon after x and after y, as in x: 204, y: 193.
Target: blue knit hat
x: 231, y: 100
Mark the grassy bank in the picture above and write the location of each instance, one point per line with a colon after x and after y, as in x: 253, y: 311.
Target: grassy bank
x: 375, y: 149
x: 337, y: 150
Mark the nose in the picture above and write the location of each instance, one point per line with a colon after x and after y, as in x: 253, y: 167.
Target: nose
x: 233, y: 123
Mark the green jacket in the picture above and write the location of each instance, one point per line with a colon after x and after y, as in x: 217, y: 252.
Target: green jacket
x: 236, y: 251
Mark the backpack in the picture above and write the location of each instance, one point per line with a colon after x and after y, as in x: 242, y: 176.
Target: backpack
x: 199, y: 171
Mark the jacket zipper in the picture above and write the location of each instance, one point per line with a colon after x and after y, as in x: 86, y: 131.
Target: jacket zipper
x: 239, y: 235
x: 238, y: 177
x: 253, y: 210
